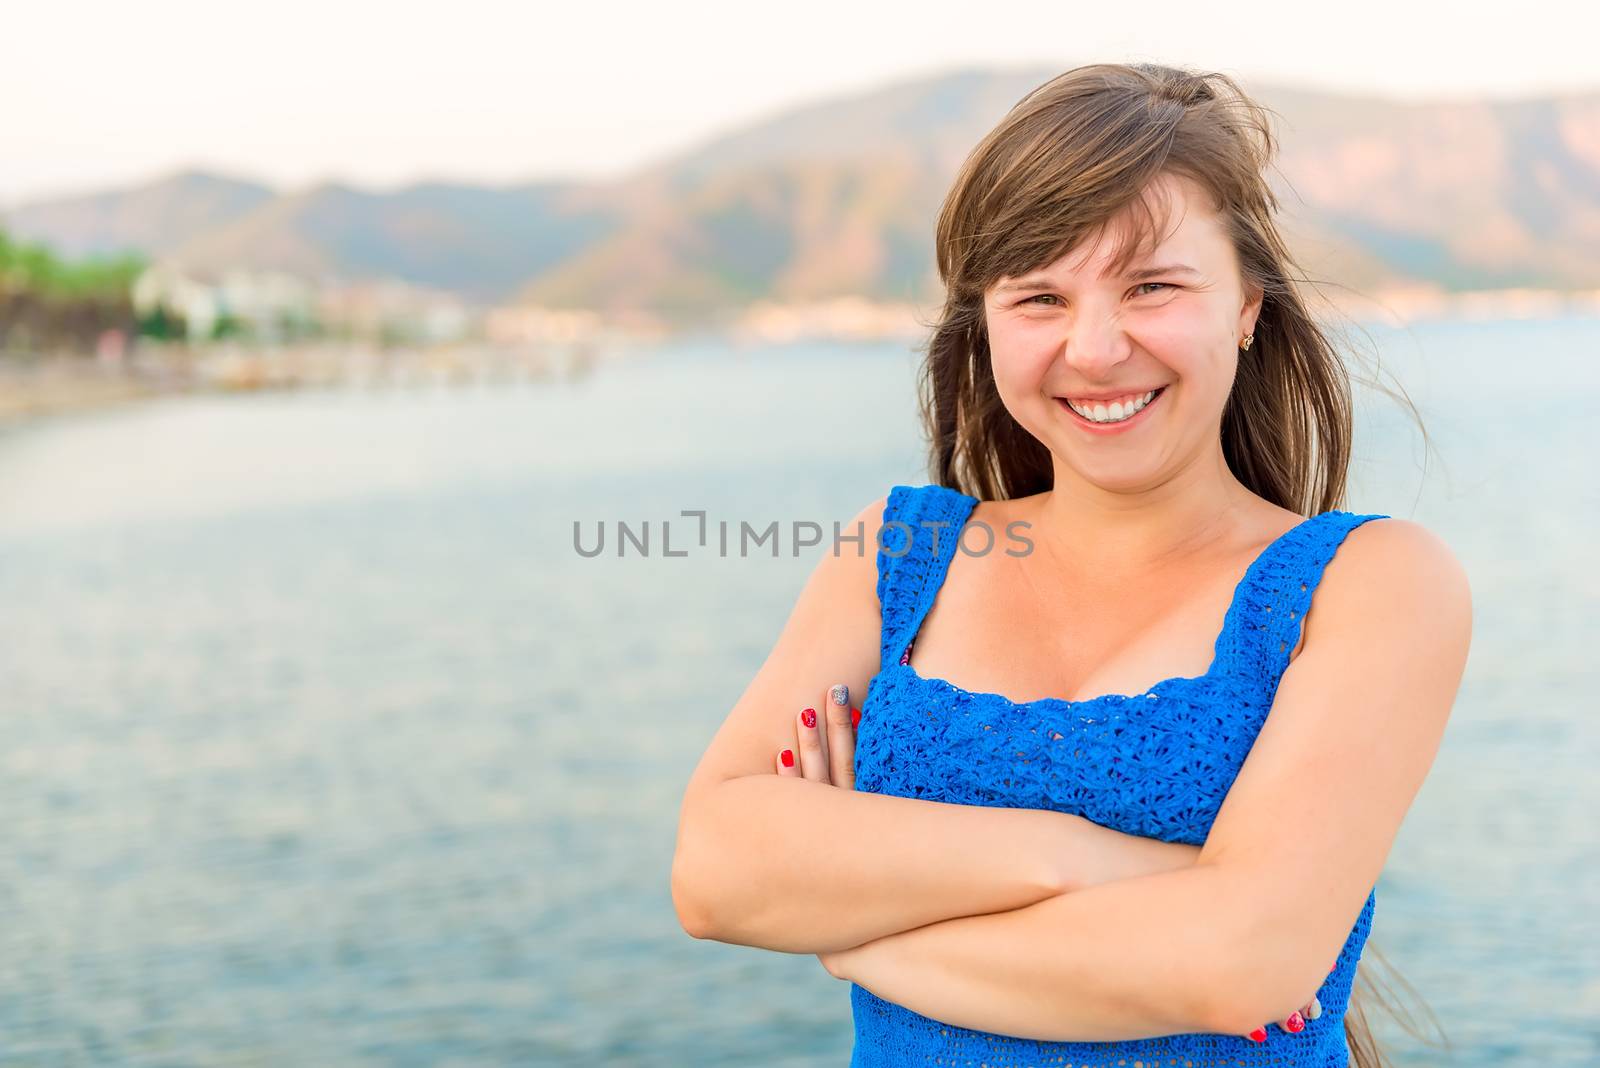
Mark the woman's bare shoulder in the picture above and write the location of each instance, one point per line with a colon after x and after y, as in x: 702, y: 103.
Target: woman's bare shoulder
x: 1391, y: 549
x: 1387, y: 557
x: 844, y: 579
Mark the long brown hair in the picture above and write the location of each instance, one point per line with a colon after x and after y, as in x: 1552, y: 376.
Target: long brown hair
x: 1063, y: 164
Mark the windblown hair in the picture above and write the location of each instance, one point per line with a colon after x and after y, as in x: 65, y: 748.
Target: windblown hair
x: 1063, y: 165
x: 1068, y: 161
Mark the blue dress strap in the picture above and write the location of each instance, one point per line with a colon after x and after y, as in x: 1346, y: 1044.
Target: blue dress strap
x: 921, y: 528
x: 1276, y: 593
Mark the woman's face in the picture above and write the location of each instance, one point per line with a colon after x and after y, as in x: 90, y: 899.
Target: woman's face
x: 1077, y: 330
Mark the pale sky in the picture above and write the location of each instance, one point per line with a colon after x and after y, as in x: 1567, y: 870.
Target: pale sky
x: 382, y: 94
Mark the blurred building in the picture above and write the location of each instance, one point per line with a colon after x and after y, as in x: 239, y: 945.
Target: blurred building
x: 393, y: 312
x: 272, y: 307
x: 526, y: 324
x: 267, y: 306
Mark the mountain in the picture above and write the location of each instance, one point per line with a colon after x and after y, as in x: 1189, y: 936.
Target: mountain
x: 153, y: 219
x: 839, y: 197
x: 1465, y: 194
x: 480, y: 242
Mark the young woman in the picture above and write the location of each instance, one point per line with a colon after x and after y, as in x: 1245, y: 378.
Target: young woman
x: 1129, y: 796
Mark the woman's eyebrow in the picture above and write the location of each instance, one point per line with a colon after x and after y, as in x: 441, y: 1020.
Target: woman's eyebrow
x: 1042, y: 281
x: 1151, y: 272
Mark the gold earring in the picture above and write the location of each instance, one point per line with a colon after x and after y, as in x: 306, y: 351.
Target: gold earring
x: 1245, y: 344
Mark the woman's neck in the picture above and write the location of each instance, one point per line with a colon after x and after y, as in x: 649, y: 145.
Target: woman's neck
x: 1130, y: 533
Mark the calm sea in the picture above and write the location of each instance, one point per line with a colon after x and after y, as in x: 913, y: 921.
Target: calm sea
x: 323, y: 746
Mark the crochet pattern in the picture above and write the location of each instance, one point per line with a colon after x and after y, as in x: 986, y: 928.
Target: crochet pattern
x: 1156, y: 764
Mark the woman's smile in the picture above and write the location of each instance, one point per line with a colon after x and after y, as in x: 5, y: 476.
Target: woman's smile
x: 1112, y: 425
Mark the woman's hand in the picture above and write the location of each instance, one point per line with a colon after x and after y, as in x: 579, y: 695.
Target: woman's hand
x: 832, y: 759
x: 833, y: 762
x: 1295, y: 1023
x: 824, y: 751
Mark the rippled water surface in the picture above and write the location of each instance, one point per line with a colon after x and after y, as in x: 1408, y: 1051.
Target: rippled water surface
x: 322, y: 745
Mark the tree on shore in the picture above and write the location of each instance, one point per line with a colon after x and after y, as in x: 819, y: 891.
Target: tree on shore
x: 51, y: 304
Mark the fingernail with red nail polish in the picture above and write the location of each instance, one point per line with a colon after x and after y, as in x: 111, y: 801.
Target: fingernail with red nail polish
x: 855, y: 717
x: 787, y: 756
x: 1258, y: 1035
x: 1296, y: 1023
x: 809, y: 717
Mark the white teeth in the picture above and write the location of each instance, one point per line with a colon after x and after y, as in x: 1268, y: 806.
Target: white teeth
x: 1116, y: 412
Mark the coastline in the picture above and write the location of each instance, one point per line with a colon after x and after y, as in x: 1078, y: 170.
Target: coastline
x: 35, y: 387
x: 62, y: 385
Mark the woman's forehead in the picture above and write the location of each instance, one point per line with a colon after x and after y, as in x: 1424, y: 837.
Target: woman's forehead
x: 1191, y: 240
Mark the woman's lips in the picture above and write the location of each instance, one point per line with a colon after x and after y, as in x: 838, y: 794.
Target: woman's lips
x: 1112, y: 428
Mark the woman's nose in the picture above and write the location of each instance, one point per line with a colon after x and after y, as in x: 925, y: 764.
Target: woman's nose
x: 1094, y: 343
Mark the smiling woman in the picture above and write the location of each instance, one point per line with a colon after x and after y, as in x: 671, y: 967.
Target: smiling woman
x: 1134, y: 796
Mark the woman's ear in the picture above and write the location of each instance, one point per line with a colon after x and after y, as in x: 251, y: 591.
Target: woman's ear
x: 1251, y: 310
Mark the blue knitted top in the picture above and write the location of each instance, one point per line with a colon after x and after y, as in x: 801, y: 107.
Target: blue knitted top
x: 1156, y: 764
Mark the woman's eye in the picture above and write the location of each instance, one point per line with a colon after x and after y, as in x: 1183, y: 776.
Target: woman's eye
x: 1142, y: 285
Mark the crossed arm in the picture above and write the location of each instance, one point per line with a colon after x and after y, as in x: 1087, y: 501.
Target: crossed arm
x: 1246, y: 931
x: 1296, y: 847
